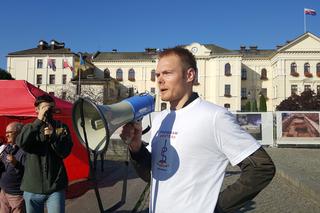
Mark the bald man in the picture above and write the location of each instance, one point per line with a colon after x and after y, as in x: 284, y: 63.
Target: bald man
x: 12, y: 159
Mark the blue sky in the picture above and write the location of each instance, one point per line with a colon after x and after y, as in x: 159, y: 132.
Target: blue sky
x: 132, y: 25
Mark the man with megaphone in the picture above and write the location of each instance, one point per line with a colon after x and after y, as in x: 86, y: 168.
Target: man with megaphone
x: 191, y: 145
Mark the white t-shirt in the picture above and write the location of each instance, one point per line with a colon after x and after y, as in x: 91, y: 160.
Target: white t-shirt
x: 191, y: 149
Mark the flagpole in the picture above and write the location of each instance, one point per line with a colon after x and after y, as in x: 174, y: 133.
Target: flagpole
x: 305, y: 22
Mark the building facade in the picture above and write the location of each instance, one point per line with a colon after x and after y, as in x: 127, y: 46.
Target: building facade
x: 229, y: 78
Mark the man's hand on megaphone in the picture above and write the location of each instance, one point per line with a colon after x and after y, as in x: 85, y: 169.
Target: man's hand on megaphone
x: 131, y: 134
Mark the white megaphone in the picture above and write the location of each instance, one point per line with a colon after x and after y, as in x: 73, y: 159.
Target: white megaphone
x: 96, y: 123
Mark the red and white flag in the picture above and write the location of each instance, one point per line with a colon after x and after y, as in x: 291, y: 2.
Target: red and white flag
x: 66, y: 65
x: 310, y: 12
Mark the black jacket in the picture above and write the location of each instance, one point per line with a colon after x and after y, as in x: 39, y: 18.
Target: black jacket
x: 45, y: 172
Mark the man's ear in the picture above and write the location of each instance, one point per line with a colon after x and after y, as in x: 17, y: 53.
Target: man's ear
x: 191, y: 75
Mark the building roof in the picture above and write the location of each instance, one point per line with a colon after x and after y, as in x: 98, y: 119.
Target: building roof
x: 39, y: 51
x: 44, y: 48
x: 123, y: 56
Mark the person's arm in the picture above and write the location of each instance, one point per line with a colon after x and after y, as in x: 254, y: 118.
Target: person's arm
x: 141, y: 161
x: 61, y: 141
x: 257, y: 171
x: 26, y: 139
x: 140, y: 156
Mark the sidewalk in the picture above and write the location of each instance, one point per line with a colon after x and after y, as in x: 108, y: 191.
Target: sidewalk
x: 300, y: 167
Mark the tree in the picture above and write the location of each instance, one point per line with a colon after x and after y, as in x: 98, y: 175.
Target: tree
x: 262, y: 104
x: 247, y: 107
x: 307, y: 101
x: 4, y: 75
x: 254, y: 107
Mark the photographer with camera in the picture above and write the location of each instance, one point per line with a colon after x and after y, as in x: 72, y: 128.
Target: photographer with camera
x: 46, y: 142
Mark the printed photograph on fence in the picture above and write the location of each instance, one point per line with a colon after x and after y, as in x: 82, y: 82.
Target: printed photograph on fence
x: 251, y: 123
x: 300, y: 125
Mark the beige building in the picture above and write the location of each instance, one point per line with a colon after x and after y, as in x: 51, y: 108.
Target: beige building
x: 229, y: 78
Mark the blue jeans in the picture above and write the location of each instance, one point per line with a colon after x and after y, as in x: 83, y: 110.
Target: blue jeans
x: 35, y: 202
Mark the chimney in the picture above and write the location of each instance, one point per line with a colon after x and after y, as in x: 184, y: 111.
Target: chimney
x: 254, y: 49
x: 242, y: 48
x: 43, y: 45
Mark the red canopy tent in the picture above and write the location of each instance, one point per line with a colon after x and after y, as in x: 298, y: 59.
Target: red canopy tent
x: 17, y: 104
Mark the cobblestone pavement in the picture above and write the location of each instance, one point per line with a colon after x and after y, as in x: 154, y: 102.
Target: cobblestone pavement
x: 281, y: 196
x: 278, y: 197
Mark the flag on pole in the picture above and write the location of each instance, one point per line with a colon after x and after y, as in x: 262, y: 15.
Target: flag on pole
x: 310, y: 12
x: 66, y: 65
x: 81, y: 59
x: 52, y: 64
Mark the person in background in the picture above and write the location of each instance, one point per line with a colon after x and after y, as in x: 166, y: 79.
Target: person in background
x: 191, y: 145
x: 12, y: 160
x: 46, y: 142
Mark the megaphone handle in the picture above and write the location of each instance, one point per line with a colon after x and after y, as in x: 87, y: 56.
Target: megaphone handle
x: 148, y: 127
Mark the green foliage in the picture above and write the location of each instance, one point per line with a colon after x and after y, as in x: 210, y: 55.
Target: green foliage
x: 262, y: 104
x: 254, y: 107
x: 307, y: 101
x: 4, y: 75
x: 247, y: 107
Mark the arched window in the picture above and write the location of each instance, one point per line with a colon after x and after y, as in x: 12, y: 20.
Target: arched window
x: 227, y: 106
x: 153, y: 75
x: 196, y: 78
x: 244, y: 74
x: 163, y: 106
x: 106, y: 73
x: 227, y: 69
x: 318, y: 67
x: 264, y: 74
x: 293, y: 69
x: 306, y: 68
x: 119, y: 75
x: 131, y: 75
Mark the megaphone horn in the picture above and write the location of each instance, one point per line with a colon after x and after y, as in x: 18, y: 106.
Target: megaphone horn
x: 96, y: 123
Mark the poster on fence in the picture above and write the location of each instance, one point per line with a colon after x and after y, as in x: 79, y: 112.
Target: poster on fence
x: 257, y: 124
x: 298, y: 127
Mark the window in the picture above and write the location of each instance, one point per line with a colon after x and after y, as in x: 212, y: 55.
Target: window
x: 227, y: 69
x: 131, y: 75
x: 307, y: 87
x: 39, y: 79
x: 243, y: 74
x: 119, y: 75
x: 153, y: 75
x: 264, y: 74
x: 106, y: 73
x: 130, y: 91
x: 264, y: 92
x: 63, y: 95
x: 163, y: 106
x: 318, y: 69
x: 51, y: 93
x: 227, y: 106
x: 318, y: 89
x: 294, y: 89
x: 39, y: 63
x: 227, y: 89
x: 196, y: 79
x: 306, y: 67
x: 64, y: 79
x: 52, y: 79
x: 153, y: 90
x: 243, y: 93
x: 293, y: 70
